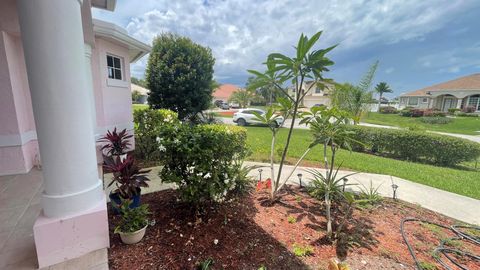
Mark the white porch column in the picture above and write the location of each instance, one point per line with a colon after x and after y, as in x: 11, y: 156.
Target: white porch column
x: 74, y: 218
x: 88, y: 68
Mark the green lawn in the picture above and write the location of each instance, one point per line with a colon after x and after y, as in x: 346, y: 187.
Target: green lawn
x: 461, y: 125
x: 463, y: 181
x: 139, y: 106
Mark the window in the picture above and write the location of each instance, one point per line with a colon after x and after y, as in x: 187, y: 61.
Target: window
x: 318, y: 90
x: 474, y: 101
x: 114, y: 66
x: 412, y: 101
x: 424, y: 100
x: 403, y: 100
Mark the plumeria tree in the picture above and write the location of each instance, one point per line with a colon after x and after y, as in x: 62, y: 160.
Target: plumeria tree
x: 329, y: 128
x: 308, y: 64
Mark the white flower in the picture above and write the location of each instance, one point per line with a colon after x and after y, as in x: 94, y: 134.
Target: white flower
x: 208, y: 175
x: 162, y: 148
x: 176, y: 141
x: 158, y: 139
x: 215, y: 241
x: 226, y: 181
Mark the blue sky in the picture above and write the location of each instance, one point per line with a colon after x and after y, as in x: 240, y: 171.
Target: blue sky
x: 418, y: 43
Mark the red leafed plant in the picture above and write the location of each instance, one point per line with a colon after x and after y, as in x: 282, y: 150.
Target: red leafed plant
x: 115, y: 143
x: 127, y: 175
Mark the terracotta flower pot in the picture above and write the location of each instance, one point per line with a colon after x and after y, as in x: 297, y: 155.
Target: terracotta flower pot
x: 133, y: 237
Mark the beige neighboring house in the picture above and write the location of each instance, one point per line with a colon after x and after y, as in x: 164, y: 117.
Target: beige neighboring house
x: 459, y: 93
x: 316, y: 96
x: 143, y: 93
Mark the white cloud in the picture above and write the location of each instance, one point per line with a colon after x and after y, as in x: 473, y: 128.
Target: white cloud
x: 453, y: 60
x: 389, y: 70
x: 242, y: 33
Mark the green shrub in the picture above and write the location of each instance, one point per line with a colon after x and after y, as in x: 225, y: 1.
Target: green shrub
x: 433, y: 113
x: 436, y: 120
x: 415, y: 146
x: 452, y: 111
x: 388, y: 110
x: 148, y: 124
x: 203, y: 160
x: 302, y: 251
x: 411, y: 112
x: 464, y: 114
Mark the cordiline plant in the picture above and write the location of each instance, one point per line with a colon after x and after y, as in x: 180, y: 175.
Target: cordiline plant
x: 308, y: 65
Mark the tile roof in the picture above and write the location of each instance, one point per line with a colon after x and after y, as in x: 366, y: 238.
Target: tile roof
x: 225, y: 91
x: 470, y: 82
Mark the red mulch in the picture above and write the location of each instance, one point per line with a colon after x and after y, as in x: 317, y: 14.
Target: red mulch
x: 252, y: 233
x: 226, y: 113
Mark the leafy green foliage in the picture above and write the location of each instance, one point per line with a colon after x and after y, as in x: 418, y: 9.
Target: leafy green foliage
x: 180, y: 75
x: 242, y: 97
x: 302, y: 251
x: 355, y: 99
x: 436, y: 120
x: 148, y: 124
x: 388, y: 110
x: 291, y: 219
x: 415, y: 146
x: 206, y: 264
x: 321, y: 185
x: 281, y: 70
x: 369, y: 195
x: 138, y: 81
x: 133, y: 219
x: 203, y: 160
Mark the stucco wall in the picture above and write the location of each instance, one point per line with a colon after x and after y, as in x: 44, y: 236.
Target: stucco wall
x: 112, y: 97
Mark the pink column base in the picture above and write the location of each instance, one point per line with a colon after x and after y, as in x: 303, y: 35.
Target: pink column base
x: 61, y: 239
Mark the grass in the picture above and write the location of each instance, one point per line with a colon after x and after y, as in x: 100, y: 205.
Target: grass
x: 463, y: 180
x: 461, y: 125
x: 136, y: 107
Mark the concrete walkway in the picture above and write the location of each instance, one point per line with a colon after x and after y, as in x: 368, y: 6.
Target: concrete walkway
x: 449, y: 204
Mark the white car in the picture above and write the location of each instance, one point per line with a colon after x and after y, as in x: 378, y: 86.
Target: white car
x: 246, y: 117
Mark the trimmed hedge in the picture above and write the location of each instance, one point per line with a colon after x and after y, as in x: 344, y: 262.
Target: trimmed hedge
x: 436, y: 120
x: 415, y: 146
x: 388, y: 110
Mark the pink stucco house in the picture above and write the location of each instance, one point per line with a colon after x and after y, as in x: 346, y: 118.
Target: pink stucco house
x: 64, y: 80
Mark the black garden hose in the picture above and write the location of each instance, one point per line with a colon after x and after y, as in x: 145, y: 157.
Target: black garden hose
x: 441, y: 249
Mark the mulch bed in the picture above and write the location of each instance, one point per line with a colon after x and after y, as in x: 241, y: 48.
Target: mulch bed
x: 249, y: 233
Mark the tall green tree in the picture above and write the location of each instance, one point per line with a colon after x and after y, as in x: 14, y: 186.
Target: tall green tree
x: 180, y: 75
x: 382, y: 88
x: 355, y: 99
x: 268, y: 92
x: 281, y: 71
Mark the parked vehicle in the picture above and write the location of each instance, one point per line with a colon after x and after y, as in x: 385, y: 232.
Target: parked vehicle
x: 224, y: 106
x: 247, y: 117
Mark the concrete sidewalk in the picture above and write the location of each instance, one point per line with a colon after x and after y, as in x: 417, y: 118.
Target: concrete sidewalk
x: 449, y: 204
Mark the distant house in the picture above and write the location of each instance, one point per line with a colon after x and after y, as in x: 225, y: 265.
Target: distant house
x: 316, y: 96
x: 224, y: 92
x: 461, y: 93
x: 142, y: 91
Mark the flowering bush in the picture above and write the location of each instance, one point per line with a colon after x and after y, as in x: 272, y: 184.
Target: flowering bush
x: 148, y: 125
x: 202, y: 160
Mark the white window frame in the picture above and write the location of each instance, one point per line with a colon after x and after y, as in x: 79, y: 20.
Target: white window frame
x: 425, y: 100
x: 477, y: 106
x: 412, y: 104
x: 114, y: 68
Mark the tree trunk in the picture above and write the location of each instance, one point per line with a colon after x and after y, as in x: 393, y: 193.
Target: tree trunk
x: 379, y: 101
x: 328, y: 214
x: 272, y: 169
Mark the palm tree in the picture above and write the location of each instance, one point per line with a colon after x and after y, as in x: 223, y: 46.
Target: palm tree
x: 242, y: 97
x: 381, y: 89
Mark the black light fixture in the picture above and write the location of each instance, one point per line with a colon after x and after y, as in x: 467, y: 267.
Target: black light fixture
x: 300, y: 179
x: 394, y: 187
x: 345, y: 180
x: 260, y: 174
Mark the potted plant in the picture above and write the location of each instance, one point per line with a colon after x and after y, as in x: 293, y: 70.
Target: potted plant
x: 128, y: 178
x: 133, y: 223
x: 116, y: 144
